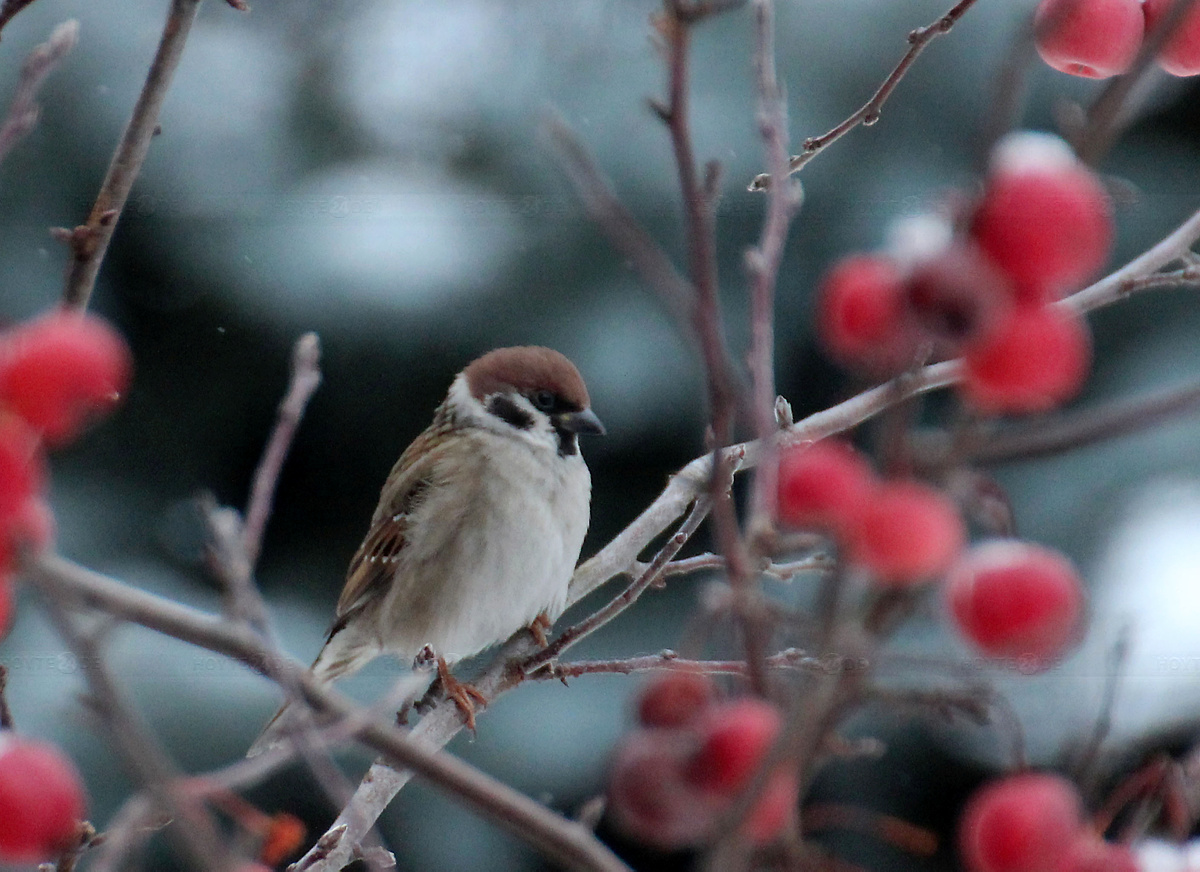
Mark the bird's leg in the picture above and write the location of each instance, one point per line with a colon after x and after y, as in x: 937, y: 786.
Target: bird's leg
x: 540, y: 626
x: 465, y: 696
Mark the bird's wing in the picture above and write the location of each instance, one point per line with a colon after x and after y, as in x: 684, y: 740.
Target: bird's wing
x: 373, y: 564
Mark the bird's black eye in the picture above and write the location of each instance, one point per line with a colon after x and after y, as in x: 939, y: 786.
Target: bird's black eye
x: 543, y: 401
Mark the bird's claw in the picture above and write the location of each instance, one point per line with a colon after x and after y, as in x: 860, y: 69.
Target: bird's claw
x: 539, y: 627
x: 465, y: 696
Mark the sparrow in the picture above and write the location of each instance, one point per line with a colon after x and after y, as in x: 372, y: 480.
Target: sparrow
x: 478, y: 528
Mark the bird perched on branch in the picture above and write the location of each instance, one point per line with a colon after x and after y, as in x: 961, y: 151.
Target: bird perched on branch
x: 478, y: 527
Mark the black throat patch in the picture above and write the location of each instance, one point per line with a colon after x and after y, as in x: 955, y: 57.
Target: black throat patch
x: 568, y: 442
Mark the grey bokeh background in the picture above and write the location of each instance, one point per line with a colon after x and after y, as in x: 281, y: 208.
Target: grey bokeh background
x: 375, y: 171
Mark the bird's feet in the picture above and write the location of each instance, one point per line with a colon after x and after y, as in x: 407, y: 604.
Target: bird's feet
x: 540, y: 626
x: 464, y: 695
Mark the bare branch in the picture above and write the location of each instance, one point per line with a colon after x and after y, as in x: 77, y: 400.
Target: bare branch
x: 24, y: 112
x: 1075, y: 430
x: 868, y: 114
x: 791, y: 658
x: 675, y: 27
x: 1115, y: 286
x: 89, y: 241
x: 306, y: 378
x: 763, y: 261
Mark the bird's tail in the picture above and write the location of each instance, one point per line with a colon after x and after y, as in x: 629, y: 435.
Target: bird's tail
x: 340, y: 656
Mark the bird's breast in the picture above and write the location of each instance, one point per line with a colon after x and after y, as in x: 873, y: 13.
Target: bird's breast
x: 492, y: 545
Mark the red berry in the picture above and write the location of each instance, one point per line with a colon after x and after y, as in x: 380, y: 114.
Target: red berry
x: 41, y: 801
x: 1181, y: 55
x: 1090, y: 853
x: 649, y: 799
x: 1036, y: 361
x: 822, y: 485
x: 735, y: 739
x: 1044, y: 219
x: 1091, y: 38
x: 862, y: 318
x: 770, y: 815
x: 675, y: 699
x: 906, y: 532
x: 60, y: 369
x: 22, y: 470
x: 958, y: 297
x: 1025, y: 823
x: 1016, y: 600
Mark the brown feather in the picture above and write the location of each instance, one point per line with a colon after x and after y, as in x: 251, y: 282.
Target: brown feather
x: 374, y: 562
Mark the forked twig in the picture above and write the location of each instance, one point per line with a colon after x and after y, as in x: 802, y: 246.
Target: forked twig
x: 869, y: 112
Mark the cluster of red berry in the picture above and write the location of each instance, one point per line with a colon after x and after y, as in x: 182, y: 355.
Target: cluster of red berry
x: 1033, y: 822
x: 902, y: 532
x: 1042, y: 225
x: 1015, y: 601
x: 674, y: 777
x: 1101, y: 38
x: 56, y: 373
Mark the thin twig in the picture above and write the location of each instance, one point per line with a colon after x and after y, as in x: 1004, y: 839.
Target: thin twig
x: 675, y: 27
x: 868, y: 113
x: 1118, y: 659
x: 128, y: 831
x: 24, y: 112
x: 791, y: 658
x: 305, y: 379
x: 784, y: 571
x: 89, y: 241
x: 1181, y: 278
x: 1076, y: 430
x: 763, y: 261
x: 1117, y: 285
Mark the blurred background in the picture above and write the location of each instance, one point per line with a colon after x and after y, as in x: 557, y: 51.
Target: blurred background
x: 376, y: 171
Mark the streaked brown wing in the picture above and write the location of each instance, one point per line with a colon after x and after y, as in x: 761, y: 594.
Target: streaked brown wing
x: 372, y: 566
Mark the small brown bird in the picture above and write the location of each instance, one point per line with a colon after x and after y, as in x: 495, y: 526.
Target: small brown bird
x: 478, y: 527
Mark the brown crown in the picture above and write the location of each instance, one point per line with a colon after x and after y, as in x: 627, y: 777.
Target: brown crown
x: 527, y: 368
